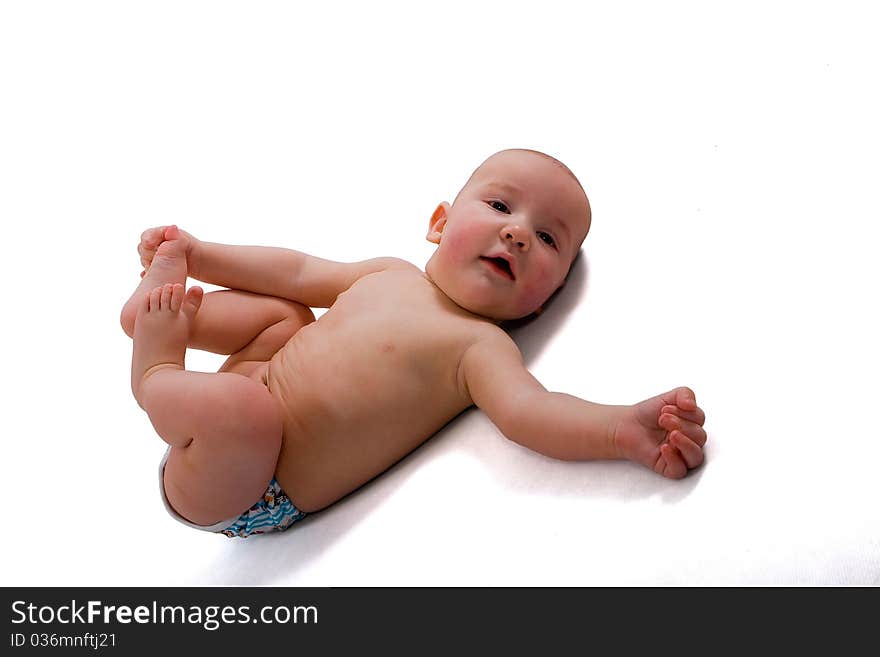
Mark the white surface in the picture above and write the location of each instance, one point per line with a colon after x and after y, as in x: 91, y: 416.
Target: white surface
x: 731, y: 156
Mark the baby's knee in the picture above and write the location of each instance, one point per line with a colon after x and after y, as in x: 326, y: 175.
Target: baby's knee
x: 297, y: 314
x: 292, y: 317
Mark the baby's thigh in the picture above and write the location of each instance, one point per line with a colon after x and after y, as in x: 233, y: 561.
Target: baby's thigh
x: 229, y: 320
x: 233, y: 453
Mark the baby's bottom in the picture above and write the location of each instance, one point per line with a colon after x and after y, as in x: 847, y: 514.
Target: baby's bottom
x: 273, y: 512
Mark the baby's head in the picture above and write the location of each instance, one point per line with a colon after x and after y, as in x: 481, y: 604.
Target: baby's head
x: 519, y: 206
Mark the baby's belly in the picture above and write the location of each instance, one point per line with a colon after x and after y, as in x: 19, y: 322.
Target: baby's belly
x: 348, y: 416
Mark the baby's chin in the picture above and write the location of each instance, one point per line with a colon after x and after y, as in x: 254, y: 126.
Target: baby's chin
x: 468, y: 295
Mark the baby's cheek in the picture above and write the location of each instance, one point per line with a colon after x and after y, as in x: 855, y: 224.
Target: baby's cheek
x: 537, y: 290
x: 456, y: 247
x: 531, y: 299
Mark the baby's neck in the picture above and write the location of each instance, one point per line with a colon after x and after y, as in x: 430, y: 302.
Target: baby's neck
x: 440, y: 291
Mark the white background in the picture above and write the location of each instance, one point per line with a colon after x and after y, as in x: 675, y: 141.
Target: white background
x: 731, y: 155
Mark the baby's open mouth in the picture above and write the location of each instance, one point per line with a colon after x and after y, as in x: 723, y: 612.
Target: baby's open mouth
x: 500, y: 265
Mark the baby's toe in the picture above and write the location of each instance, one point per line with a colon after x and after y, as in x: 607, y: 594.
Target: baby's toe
x: 193, y: 301
x: 177, y: 293
x: 155, y: 298
x: 144, y: 306
x: 165, y: 299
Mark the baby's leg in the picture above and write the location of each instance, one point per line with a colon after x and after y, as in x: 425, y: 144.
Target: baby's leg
x: 224, y: 428
x: 229, y: 321
x: 246, y: 324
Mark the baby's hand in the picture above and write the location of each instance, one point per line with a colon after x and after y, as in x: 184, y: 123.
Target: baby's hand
x: 665, y: 433
x: 153, y: 237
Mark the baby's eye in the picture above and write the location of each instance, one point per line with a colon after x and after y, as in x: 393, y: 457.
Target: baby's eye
x: 546, y: 237
x: 503, y: 207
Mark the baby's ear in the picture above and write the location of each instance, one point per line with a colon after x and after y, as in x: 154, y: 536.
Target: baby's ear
x: 437, y: 223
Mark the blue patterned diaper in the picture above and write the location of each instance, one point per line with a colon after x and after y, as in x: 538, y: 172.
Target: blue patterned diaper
x: 274, y: 512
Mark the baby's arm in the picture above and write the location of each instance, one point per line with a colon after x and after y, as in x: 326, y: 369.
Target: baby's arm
x: 566, y: 427
x: 273, y: 271
x: 555, y: 424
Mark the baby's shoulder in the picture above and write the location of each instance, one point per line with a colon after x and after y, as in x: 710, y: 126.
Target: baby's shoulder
x: 399, y: 264
x: 489, y: 338
x: 388, y: 271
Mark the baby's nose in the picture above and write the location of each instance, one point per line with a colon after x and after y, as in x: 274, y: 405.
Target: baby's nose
x: 516, y: 235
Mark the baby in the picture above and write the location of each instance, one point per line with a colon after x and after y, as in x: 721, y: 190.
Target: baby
x: 303, y: 412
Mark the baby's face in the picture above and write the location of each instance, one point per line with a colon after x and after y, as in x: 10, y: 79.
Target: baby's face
x: 520, y: 207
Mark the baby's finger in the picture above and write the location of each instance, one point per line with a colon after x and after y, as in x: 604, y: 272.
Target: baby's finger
x: 145, y: 253
x: 697, y: 416
x: 689, y: 450
x: 152, y: 237
x: 686, y: 399
x: 690, y: 429
x: 675, y: 467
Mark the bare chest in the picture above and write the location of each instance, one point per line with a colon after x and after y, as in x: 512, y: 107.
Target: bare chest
x: 390, y: 345
x: 375, y: 376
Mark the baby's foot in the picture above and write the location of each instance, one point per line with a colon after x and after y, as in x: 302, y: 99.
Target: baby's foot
x: 168, y: 266
x: 161, y: 330
x: 664, y: 433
